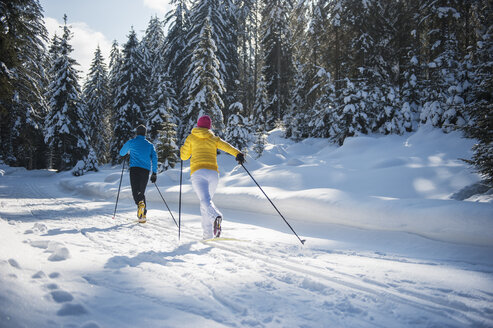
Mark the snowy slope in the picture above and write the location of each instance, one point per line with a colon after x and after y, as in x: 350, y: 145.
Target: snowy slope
x: 386, y: 246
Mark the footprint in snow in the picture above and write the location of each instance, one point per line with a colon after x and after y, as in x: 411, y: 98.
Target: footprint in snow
x: 71, y: 309
x: 61, y: 296
x: 54, y: 275
x: 52, y: 286
x: 14, y: 263
x: 38, y: 275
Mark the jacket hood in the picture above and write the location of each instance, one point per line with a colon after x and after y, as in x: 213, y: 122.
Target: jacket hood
x: 203, y: 133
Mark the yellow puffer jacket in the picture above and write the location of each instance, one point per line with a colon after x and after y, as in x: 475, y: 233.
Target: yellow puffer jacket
x: 202, y: 145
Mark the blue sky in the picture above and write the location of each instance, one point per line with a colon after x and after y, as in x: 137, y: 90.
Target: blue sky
x: 99, y: 22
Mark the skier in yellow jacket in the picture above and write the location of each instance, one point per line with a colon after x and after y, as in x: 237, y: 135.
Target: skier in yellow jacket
x: 202, y: 146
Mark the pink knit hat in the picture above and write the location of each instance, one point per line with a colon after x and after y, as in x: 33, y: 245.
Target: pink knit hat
x: 204, y: 122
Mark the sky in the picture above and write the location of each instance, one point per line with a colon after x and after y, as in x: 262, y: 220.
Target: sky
x: 99, y: 22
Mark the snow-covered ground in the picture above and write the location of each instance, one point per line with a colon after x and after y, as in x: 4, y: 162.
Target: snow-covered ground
x: 386, y: 245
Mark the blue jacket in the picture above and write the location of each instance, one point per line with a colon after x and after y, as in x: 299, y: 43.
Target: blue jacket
x: 142, y: 153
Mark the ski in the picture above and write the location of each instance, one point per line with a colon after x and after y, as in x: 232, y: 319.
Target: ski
x: 224, y: 239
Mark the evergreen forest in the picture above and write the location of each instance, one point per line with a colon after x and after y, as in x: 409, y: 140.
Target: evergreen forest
x: 315, y: 68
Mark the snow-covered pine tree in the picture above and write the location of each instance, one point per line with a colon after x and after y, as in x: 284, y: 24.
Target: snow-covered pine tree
x: 278, y: 65
x: 258, y: 117
x: 175, y: 57
x: 22, y: 79
x: 238, y: 128
x: 337, y: 41
x: 443, y: 103
x: 260, y: 142
x: 480, y: 108
x: 228, y: 45
x: 163, y: 104
x: 162, y: 97
x: 129, y: 102
x: 166, y: 148
x: 314, y: 47
x: 247, y: 52
x: 411, y: 75
x: 205, y: 84
x: 295, y: 120
x: 383, y: 66
x: 319, y: 117
x: 115, y: 65
x: 151, y: 45
x: 349, y: 118
x: 64, y: 130
x: 97, y: 97
x: 221, y: 17
x: 390, y: 120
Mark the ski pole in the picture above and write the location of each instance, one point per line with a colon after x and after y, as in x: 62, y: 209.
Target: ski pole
x: 165, y: 204
x: 179, y: 202
x: 118, y: 195
x: 301, y: 240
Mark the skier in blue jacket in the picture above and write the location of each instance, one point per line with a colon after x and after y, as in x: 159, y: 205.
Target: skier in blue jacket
x: 142, y: 156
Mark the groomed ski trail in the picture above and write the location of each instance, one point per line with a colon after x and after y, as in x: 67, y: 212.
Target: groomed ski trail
x: 119, y: 265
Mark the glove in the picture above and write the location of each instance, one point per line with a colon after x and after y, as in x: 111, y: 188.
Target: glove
x: 240, y: 158
x: 153, y: 177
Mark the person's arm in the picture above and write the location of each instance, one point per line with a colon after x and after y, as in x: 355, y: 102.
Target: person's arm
x: 154, y: 160
x: 224, y: 146
x: 125, y: 149
x: 186, y: 149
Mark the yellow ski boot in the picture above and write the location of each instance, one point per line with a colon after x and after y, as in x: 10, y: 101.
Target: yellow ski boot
x: 141, y: 212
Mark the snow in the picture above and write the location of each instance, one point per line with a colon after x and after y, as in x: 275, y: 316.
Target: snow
x: 387, y: 243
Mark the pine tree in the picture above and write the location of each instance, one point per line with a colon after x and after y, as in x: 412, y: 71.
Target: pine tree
x: 247, y: 52
x: 205, y: 85
x: 301, y: 99
x: 231, y: 60
x: 162, y: 96
x: 480, y: 109
x: 258, y: 117
x: 238, y: 130
x: 411, y: 75
x: 130, y: 103
x: 349, y: 118
x: 319, y: 116
x: 150, y: 46
x: 98, y: 100
x: 22, y: 77
x: 278, y: 66
x: 115, y: 65
x: 295, y: 120
x: 443, y: 106
x: 260, y: 142
x: 163, y: 104
x: 166, y: 148
x: 176, y: 59
x: 65, y: 132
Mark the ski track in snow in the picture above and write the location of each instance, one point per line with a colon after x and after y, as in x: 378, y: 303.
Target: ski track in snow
x: 94, y: 271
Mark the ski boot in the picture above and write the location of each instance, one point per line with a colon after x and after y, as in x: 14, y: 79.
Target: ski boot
x: 217, y: 227
x: 141, y: 212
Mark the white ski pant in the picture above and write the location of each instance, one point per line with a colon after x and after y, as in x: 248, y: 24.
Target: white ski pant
x: 204, y: 183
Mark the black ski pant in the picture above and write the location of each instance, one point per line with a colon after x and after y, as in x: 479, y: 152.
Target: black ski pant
x: 138, y: 181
